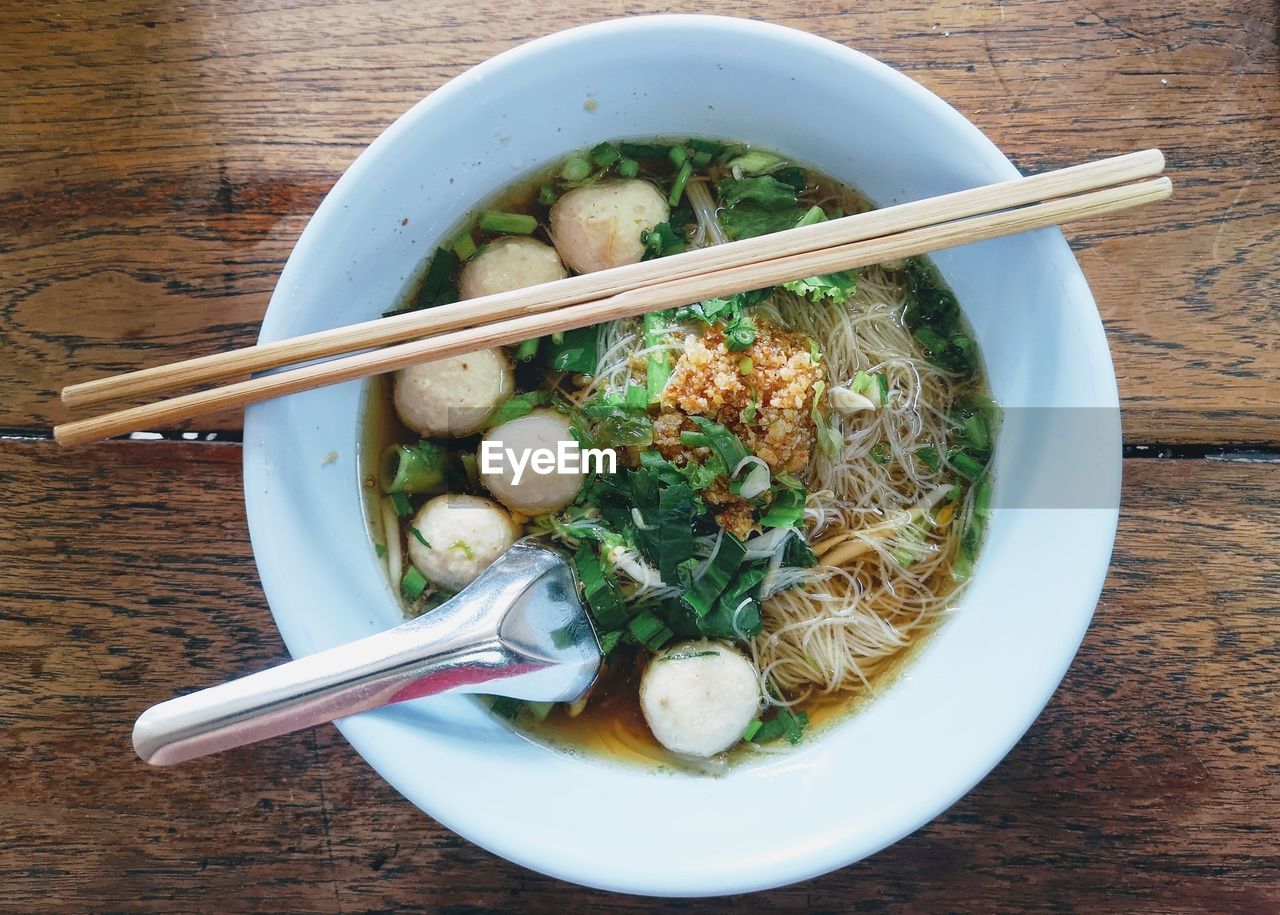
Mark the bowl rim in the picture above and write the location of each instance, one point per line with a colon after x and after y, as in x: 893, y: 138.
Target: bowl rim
x: 366, y: 732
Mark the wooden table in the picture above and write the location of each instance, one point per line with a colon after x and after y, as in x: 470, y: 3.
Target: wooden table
x: 157, y: 161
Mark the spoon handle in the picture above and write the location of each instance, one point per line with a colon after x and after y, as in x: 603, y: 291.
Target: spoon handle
x: 518, y: 630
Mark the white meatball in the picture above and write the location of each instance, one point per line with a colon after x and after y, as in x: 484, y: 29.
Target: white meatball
x: 699, y: 697
x: 454, y: 396
x: 510, y: 263
x: 463, y: 534
x: 599, y: 226
x: 537, y: 492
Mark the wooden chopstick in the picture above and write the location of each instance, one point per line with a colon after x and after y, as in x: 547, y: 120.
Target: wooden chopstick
x: 629, y: 303
x: 474, y: 312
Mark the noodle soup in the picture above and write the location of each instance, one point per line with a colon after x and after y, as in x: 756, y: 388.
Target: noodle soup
x: 802, y: 481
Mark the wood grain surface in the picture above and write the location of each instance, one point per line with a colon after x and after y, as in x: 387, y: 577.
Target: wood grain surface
x: 1152, y: 781
x: 158, y: 161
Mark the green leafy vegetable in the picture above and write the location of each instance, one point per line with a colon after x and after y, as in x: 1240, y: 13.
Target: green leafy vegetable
x: 437, y: 286
x: 765, y: 192
x: 575, y: 351
x: 604, y: 600
x: 651, y: 632
x: 517, y: 406
x: 400, y: 504
x: 720, y: 570
x: 660, y: 241
x: 412, y: 583
x: 755, y: 162
x: 835, y: 288
x: 727, y: 446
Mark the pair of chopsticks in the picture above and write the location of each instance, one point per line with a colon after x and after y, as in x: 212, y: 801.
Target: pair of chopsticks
x: 401, y: 340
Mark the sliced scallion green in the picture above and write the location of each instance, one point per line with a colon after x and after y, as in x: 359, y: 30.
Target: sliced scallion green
x: 507, y: 223
x: 463, y: 245
x: 677, y: 186
x: 575, y: 169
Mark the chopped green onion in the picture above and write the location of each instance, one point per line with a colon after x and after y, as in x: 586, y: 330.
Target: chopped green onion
x: 746, y: 366
x: 417, y: 535
x: 701, y: 159
x: 605, y: 154
x: 677, y: 155
x: 649, y: 631
x: 400, y: 504
x: 412, y: 583
x: 507, y: 223
x: 637, y: 397
x: 965, y: 464
x: 660, y: 241
x: 528, y: 349
x: 881, y: 453
x: 470, y: 466
x: 463, y: 547
x: 658, y: 365
x: 644, y: 150
x: 928, y: 456
x: 380, y: 549
x: 628, y: 168
x: 695, y: 439
x: 739, y: 334
x: 982, y: 499
x: 677, y: 186
x: 575, y: 169
x: 546, y: 195
x: 463, y: 245
x: 752, y: 729
x: 413, y: 469
x: 812, y: 216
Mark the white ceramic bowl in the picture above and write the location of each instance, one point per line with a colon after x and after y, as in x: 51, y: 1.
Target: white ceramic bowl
x: 974, y: 689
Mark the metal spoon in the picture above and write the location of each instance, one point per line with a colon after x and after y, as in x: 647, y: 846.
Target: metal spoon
x: 519, y: 630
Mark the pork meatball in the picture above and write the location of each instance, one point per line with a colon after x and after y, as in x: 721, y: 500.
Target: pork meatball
x: 699, y: 697
x: 539, y: 490
x: 599, y: 226
x: 509, y: 263
x: 455, y: 396
x: 463, y: 534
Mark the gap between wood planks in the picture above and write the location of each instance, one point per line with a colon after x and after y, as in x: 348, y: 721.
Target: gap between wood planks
x: 1241, y: 453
